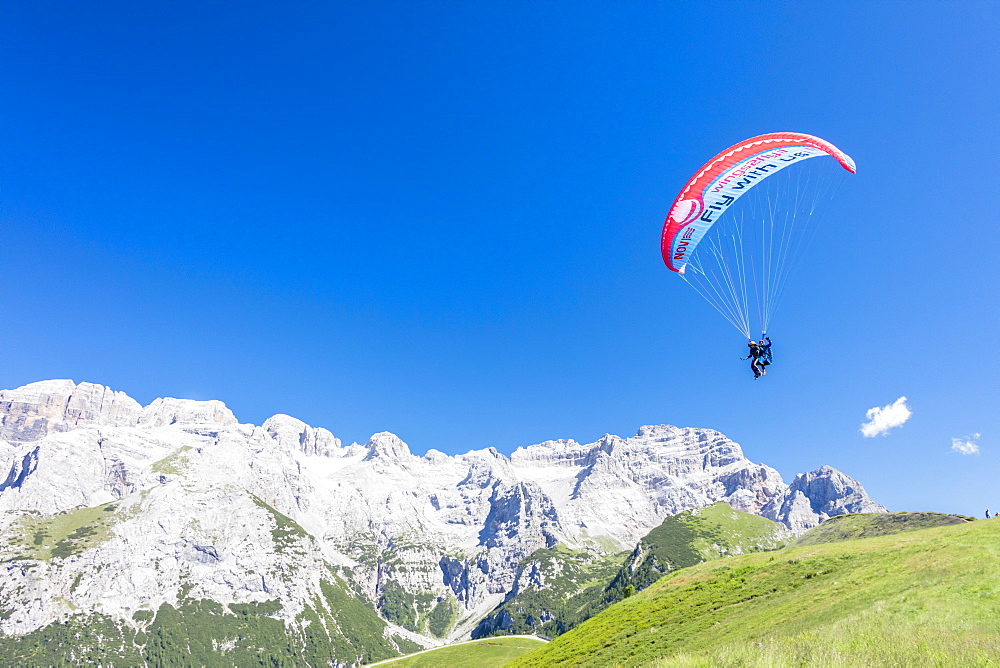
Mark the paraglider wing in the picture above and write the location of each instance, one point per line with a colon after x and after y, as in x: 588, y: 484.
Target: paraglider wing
x: 727, y: 177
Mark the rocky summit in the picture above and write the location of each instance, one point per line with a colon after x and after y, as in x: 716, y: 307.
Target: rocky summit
x: 110, y: 508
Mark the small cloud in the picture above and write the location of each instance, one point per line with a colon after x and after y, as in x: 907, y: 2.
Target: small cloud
x: 966, y: 446
x: 881, y: 420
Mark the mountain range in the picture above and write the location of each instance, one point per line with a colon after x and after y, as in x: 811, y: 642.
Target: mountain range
x: 113, y: 514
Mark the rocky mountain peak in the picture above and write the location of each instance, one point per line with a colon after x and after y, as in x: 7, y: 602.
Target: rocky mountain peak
x: 437, y: 456
x: 833, y: 493
x: 165, y: 411
x: 34, y: 411
x: 821, y: 494
x: 657, y: 432
x: 560, y: 452
x: 608, y: 442
x: 295, y: 434
x: 386, y: 445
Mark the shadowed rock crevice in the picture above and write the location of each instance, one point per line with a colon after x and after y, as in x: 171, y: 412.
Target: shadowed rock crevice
x: 21, y: 470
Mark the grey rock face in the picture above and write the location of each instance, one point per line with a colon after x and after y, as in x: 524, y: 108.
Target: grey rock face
x: 199, y: 501
x: 34, y: 411
x: 813, y: 497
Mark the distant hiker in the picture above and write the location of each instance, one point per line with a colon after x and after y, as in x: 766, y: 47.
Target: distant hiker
x: 754, y: 358
x: 987, y: 513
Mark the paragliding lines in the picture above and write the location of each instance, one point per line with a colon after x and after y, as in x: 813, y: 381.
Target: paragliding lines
x: 756, y: 246
x: 743, y: 221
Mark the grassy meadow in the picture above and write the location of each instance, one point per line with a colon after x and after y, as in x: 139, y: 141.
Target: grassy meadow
x: 477, y: 654
x: 920, y: 598
x: 579, y: 584
x: 62, y: 535
x: 869, y: 525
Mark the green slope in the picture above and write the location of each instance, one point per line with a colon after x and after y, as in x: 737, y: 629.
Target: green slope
x: 478, y: 654
x: 869, y: 525
x: 927, y: 597
x: 576, y: 585
x: 571, y: 581
x: 695, y: 536
x: 66, y: 534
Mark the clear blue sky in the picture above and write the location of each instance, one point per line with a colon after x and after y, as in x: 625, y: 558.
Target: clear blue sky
x: 442, y: 219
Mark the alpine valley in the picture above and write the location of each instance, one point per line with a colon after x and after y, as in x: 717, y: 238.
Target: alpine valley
x: 134, y: 535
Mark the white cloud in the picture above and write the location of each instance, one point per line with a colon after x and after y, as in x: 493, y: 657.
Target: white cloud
x: 881, y: 420
x: 966, y: 446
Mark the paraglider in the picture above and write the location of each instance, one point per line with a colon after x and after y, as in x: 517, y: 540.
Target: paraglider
x: 765, y: 351
x: 738, y: 226
x: 755, y: 360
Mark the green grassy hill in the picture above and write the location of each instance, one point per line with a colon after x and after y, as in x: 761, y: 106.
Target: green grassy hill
x: 570, y: 582
x: 926, y: 597
x: 476, y: 654
x: 869, y: 525
x: 695, y: 536
x: 575, y: 586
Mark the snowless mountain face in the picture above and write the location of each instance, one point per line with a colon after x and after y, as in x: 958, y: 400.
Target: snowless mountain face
x: 109, y: 507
